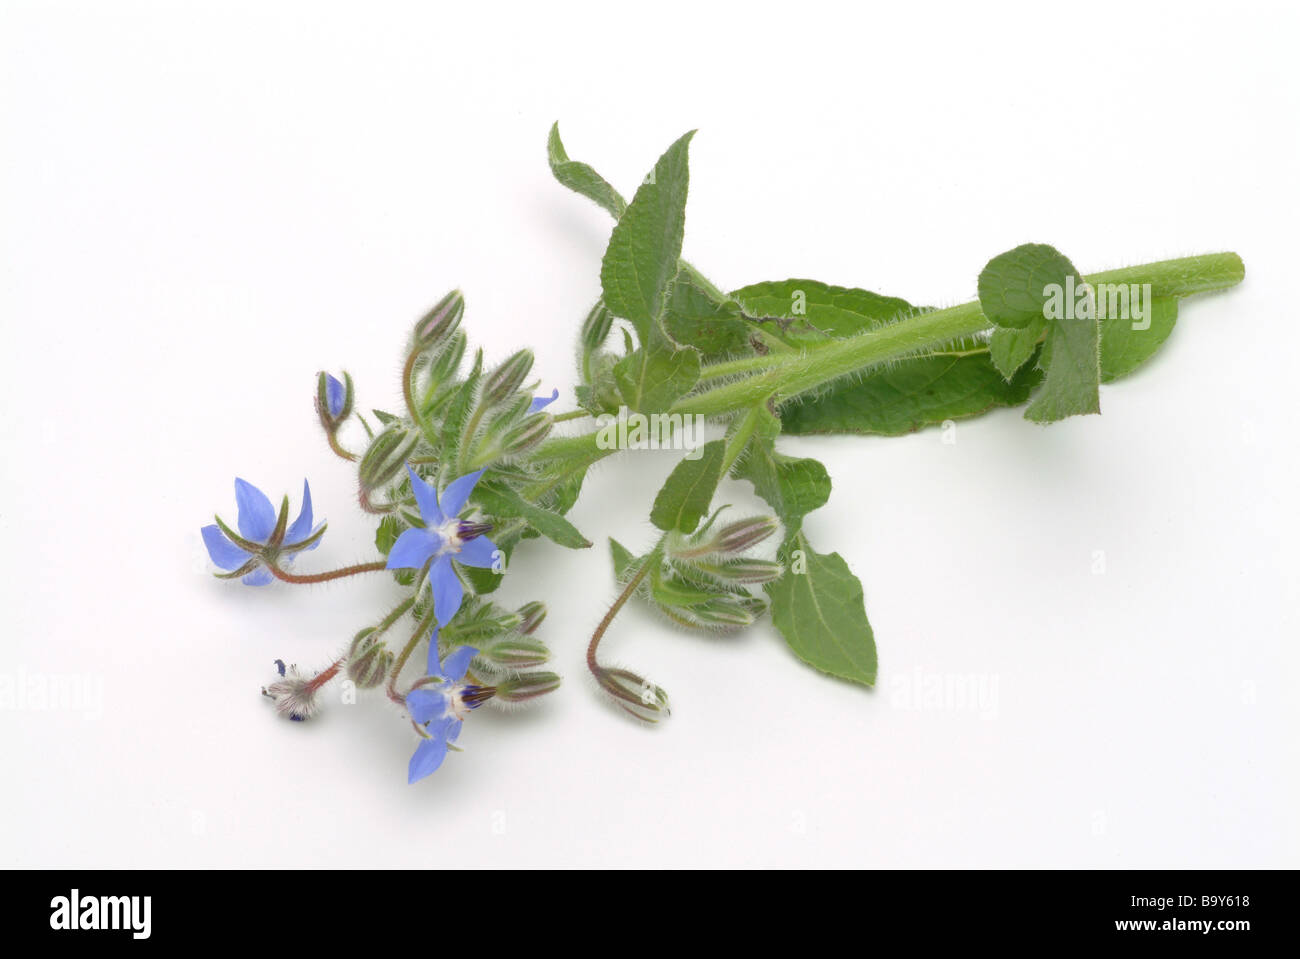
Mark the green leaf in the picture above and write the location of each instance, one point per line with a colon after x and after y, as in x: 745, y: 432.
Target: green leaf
x: 581, y: 178
x: 504, y: 503
x: 641, y: 259
x: 1022, y: 286
x: 698, y: 314
x: 651, y: 380
x: 792, y: 487
x: 1010, y: 349
x: 1012, y: 285
x: 686, y: 494
x: 807, y: 311
x: 1124, y: 349
x: 622, y: 557
x: 817, y: 605
x: 911, y: 394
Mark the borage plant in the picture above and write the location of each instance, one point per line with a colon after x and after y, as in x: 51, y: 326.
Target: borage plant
x: 470, y: 469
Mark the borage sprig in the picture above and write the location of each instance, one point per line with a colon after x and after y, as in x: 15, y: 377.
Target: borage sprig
x: 470, y: 469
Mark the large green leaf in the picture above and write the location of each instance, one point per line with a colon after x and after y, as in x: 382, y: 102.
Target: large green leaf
x: 818, y: 607
x: 911, y: 394
x: 641, y: 259
x: 689, y: 489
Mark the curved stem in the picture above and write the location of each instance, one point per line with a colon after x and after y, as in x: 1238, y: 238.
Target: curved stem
x: 288, y: 577
x: 618, y: 604
x: 423, y: 627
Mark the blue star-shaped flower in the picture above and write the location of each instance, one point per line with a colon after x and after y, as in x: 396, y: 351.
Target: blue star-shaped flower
x: 257, y: 522
x: 445, y: 537
x: 440, y: 707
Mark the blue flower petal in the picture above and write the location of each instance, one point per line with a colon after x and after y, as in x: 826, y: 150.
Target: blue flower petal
x: 258, y: 577
x: 428, y: 756
x: 224, y: 553
x: 432, y: 666
x: 541, y: 402
x: 413, y: 549
x: 427, y: 499
x: 457, y: 662
x: 480, y: 552
x: 453, y: 729
x: 457, y: 492
x: 300, y: 529
x: 447, y: 589
x: 256, y: 514
x: 426, y: 703
x: 334, y: 395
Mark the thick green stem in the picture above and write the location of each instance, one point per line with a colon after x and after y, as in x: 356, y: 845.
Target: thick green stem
x: 787, y: 375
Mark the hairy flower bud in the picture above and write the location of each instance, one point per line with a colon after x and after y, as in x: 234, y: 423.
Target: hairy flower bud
x: 526, y: 686
x: 333, y: 400
x: 531, y: 616
x: 741, y: 535
x: 595, y: 329
x: 436, y: 326
x: 530, y: 431
x: 516, y: 652
x: 369, y: 660
x: 386, y: 456
x: 750, y: 572
x: 639, y: 697
x: 502, y: 382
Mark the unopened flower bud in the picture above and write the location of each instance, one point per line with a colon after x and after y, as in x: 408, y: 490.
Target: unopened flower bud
x: 369, y: 660
x: 741, y: 535
x: 752, y: 572
x: 531, y: 431
x: 723, y: 613
x: 436, y: 326
x: 386, y: 456
x: 502, y: 382
x: 640, y: 697
x: 595, y: 329
x: 531, y: 616
x: 333, y: 400
x: 526, y: 686
x: 516, y: 652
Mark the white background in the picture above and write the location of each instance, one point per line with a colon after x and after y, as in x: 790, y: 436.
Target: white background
x: 204, y: 204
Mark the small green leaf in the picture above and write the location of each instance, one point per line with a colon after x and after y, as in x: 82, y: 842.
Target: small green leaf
x: 503, y: 503
x: 622, y: 557
x: 685, y: 497
x: 1011, y: 349
x: 792, y: 487
x: 808, y: 311
x: 651, y: 380
x: 1124, y: 349
x: 698, y: 314
x: 818, y: 607
x: 581, y: 178
x: 1012, y: 287
x: 641, y: 259
x: 1020, y: 288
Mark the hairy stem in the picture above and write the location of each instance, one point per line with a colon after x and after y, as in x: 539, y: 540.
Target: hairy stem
x: 288, y: 577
